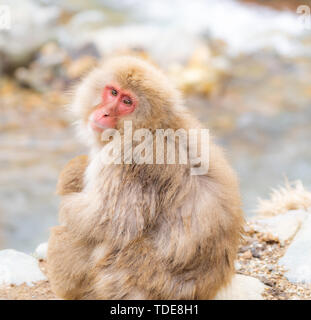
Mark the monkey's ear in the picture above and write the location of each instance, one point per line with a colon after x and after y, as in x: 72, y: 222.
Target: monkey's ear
x: 71, y: 178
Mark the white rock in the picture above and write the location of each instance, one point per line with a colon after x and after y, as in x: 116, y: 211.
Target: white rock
x: 242, y: 288
x: 237, y: 265
x: 87, y: 19
x: 18, y: 268
x: 41, y: 251
x: 32, y: 25
x: 283, y: 226
x: 297, y: 259
x: 115, y: 38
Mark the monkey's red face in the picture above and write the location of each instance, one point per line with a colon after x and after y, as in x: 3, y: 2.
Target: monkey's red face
x: 115, y: 103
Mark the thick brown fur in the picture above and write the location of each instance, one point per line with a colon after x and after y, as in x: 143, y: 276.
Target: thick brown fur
x: 143, y: 231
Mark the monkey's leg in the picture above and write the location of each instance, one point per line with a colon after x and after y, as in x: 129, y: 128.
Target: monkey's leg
x: 71, y: 178
x: 67, y: 260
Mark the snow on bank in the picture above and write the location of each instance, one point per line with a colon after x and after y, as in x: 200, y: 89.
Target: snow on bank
x: 284, y: 226
x: 41, y: 251
x: 292, y: 225
x: 297, y: 258
x: 17, y: 268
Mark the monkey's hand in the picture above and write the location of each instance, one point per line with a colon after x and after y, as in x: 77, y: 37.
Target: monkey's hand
x: 71, y: 178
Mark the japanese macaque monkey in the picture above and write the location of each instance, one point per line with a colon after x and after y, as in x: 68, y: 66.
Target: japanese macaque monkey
x: 147, y: 230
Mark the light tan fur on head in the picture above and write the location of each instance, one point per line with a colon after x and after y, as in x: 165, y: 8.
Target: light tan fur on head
x: 159, y: 100
x: 145, y: 231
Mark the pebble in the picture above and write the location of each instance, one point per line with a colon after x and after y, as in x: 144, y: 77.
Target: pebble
x: 247, y: 254
x: 255, y: 253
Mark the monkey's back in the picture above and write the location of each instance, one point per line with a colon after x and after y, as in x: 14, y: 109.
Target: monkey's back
x: 187, y: 248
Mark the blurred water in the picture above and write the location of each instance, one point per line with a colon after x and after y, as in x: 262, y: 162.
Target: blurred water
x: 29, y: 166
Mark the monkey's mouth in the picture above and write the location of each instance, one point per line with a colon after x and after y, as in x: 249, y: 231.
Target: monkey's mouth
x: 103, y: 125
x: 97, y: 126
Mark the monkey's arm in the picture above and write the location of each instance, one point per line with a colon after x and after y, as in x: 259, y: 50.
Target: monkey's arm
x: 66, y: 269
x: 71, y: 178
x: 91, y: 214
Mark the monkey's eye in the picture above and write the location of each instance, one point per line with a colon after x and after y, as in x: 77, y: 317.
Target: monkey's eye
x: 114, y: 92
x: 127, y: 101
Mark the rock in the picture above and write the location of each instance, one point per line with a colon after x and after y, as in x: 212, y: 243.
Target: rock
x: 237, y: 265
x: 267, y: 282
x: 80, y: 67
x: 269, y: 238
x: 17, y: 268
x: 297, y: 259
x: 242, y: 288
x: 255, y: 253
x: 34, y: 24
x: 55, y: 68
x: 41, y: 251
x: 203, y: 74
x: 51, y: 54
x: 87, y: 19
x: 247, y: 255
x: 144, y: 37
x: 283, y: 226
x: 243, y: 249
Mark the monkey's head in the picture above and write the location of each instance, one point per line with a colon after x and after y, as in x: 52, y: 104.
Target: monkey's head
x: 122, y: 89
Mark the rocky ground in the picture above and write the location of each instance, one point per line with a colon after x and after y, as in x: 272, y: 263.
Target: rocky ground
x: 258, y: 257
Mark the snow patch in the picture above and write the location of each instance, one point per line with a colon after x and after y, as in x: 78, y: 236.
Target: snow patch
x: 17, y: 268
x: 297, y: 259
x: 283, y: 226
x: 41, y: 251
